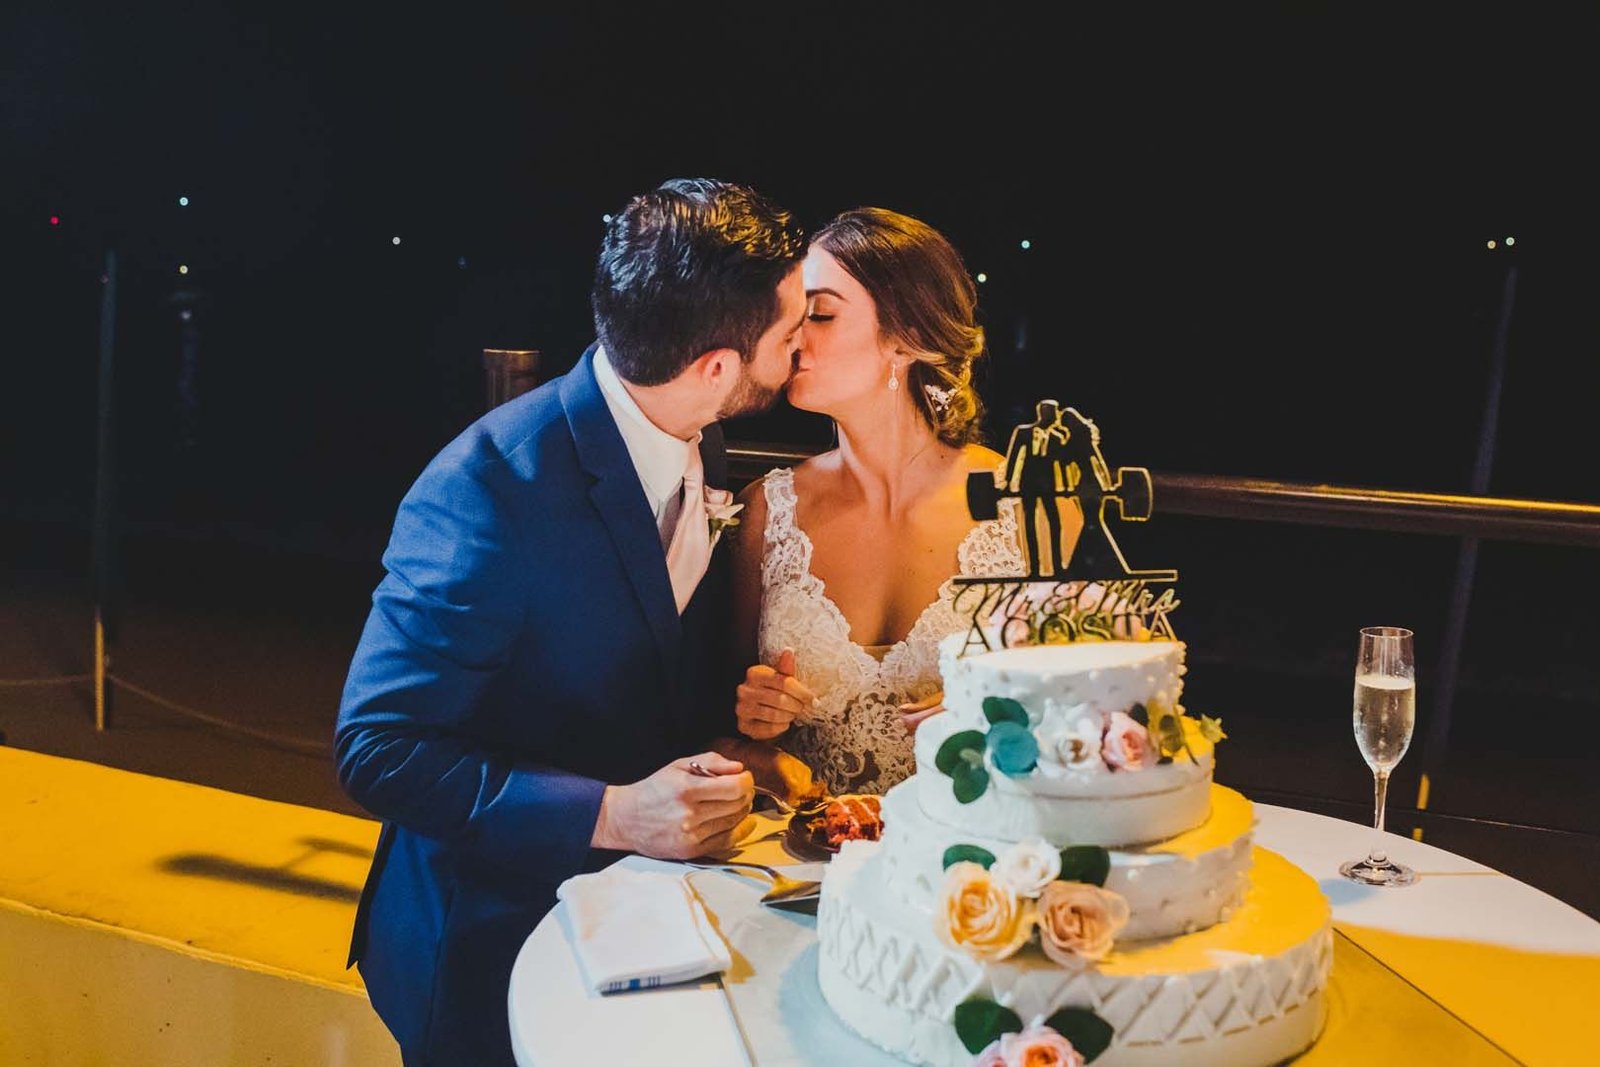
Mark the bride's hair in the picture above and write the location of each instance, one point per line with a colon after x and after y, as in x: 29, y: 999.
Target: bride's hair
x: 927, y: 304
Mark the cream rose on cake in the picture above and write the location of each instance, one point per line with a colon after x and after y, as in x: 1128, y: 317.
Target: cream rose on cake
x: 1027, y: 867
x: 1069, y: 740
x: 1078, y: 922
x: 981, y: 914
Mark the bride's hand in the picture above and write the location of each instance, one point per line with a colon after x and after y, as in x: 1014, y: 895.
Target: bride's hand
x: 914, y: 714
x: 769, y: 699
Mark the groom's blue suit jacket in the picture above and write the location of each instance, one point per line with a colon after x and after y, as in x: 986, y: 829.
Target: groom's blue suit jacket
x: 523, y: 650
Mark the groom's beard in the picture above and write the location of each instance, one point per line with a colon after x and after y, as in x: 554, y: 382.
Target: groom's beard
x: 750, y: 397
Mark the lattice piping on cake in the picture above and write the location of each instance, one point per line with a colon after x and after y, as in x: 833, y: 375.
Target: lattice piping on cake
x: 1223, y: 1001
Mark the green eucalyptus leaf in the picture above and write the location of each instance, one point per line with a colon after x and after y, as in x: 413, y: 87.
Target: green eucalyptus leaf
x: 979, y: 1022
x: 1013, y: 748
x: 1004, y: 709
x: 969, y: 782
x: 949, y: 753
x: 1090, y: 1035
x: 968, y: 854
x: 1085, y: 863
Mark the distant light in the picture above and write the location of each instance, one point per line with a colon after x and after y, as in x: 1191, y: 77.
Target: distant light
x: 183, y: 201
x: 186, y: 315
x: 55, y: 220
x: 461, y: 261
x: 1026, y: 244
x: 183, y: 268
x: 982, y: 278
x: 1510, y: 241
x: 1491, y: 246
x: 396, y: 240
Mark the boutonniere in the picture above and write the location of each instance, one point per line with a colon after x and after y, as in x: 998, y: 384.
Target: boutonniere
x: 721, y: 511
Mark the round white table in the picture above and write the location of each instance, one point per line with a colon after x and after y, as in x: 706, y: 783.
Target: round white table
x: 1468, y: 962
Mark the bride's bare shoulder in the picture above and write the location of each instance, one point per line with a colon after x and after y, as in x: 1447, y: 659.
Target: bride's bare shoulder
x: 981, y: 457
x: 815, y: 471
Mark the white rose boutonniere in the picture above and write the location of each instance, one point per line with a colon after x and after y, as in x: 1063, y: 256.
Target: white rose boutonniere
x: 721, y: 511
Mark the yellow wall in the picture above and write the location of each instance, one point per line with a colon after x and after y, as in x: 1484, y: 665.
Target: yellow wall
x: 149, y: 921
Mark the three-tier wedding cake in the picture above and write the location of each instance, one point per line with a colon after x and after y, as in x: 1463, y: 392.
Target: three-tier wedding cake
x: 1062, y: 878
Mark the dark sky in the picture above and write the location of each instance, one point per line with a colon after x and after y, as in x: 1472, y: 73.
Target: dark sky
x: 1258, y: 243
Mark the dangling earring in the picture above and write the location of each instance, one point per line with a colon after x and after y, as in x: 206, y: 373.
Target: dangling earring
x: 894, y: 382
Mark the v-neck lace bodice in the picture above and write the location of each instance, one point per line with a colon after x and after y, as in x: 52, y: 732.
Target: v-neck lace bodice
x: 854, y: 742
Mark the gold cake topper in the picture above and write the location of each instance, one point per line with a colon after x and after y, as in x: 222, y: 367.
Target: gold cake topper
x: 1085, y: 590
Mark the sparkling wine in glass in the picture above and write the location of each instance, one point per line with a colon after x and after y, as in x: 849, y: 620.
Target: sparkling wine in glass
x: 1385, y: 714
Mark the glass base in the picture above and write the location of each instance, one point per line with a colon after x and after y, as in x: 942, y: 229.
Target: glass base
x: 1386, y: 873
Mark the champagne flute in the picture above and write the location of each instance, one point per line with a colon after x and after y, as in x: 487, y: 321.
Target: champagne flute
x: 1385, y: 713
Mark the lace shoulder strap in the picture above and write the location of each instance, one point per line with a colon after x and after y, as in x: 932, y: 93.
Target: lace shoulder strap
x: 783, y: 557
x: 992, y: 548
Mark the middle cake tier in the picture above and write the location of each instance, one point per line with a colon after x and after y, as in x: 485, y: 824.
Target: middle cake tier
x: 1184, y: 883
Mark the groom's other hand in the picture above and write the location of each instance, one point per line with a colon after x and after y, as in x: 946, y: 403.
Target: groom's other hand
x: 770, y: 698
x: 675, y: 813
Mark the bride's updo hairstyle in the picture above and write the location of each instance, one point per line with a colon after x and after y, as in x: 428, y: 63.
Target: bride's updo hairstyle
x: 927, y: 305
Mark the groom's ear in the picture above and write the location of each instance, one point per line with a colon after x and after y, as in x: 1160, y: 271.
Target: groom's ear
x: 716, y: 369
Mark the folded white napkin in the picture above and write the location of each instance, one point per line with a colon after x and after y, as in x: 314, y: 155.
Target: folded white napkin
x: 637, y: 929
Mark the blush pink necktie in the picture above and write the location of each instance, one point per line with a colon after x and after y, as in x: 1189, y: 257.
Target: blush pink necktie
x: 690, y: 550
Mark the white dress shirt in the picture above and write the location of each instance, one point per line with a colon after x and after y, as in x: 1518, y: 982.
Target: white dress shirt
x: 658, y: 457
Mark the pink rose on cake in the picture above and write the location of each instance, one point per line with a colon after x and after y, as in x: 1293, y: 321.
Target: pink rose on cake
x: 1069, y: 740
x: 1028, y: 866
x: 1126, y: 745
x: 1037, y: 1046
x: 982, y: 915
x: 1078, y: 922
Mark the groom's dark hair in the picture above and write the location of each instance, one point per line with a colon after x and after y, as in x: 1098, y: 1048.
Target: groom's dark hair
x: 688, y: 267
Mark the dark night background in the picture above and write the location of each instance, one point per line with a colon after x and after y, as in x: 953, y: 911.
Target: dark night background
x: 1258, y: 248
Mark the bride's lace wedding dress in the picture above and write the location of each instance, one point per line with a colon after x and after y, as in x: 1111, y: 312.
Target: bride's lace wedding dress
x: 854, y: 741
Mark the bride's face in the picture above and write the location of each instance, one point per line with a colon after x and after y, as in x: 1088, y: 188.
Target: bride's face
x: 843, y: 358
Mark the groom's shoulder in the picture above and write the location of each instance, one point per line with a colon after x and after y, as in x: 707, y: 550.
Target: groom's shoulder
x: 515, y: 437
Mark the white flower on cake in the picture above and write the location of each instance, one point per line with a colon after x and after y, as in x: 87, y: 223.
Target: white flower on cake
x: 1126, y: 745
x: 720, y: 511
x: 1078, y: 922
x: 1028, y: 866
x: 1069, y: 741
x: 982, y: 915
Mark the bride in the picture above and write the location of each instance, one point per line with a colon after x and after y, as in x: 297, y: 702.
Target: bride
x: 843, y: 564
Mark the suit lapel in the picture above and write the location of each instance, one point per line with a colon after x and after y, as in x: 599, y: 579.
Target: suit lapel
x: 619, y: 497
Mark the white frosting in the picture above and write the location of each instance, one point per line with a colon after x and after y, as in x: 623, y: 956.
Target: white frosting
x: 1243, y: 994
x: 1067, y: 690
x: 1176, y: 887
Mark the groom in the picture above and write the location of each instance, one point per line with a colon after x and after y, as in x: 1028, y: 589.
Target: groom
x: 543, y: 657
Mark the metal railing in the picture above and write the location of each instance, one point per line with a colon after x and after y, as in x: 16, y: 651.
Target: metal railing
x: 1469, y: 519
x: 1218, y: 497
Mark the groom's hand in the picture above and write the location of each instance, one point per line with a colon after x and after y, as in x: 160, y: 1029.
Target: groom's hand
x: 770, y: 698
x: 675, y: 813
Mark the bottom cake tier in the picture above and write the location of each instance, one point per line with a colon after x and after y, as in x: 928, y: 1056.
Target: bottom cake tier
x: 1247, y: 992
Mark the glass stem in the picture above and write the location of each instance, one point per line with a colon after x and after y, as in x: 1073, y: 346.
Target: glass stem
x: 1379, y: 856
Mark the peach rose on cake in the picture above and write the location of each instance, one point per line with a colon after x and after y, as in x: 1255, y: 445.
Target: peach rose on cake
x: 1027, y: 867
x: 1078, y: 922
x: 1037, y: 1046
x: 1126, y: 744
x: 980, y: 914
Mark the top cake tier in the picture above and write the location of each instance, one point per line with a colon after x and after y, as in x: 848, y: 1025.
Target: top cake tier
x: 1095, y: 712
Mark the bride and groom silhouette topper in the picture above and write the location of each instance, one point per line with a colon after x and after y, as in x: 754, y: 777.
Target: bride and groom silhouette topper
x: 1055, y: 462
